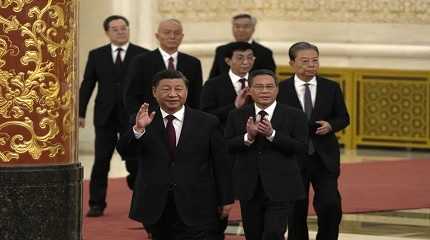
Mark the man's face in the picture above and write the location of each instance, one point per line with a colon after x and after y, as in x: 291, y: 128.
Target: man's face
x: 243, y: 28
x: 169, y: 35
x: 241, y: 62
x: 118, y: 32
x: 306, y: 64
x: 263, y: 90
x: 171, y: 94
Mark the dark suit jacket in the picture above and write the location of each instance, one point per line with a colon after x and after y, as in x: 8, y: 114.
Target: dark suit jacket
x: 145, y: 66
x: 218, y: 96
x: 201, y: 172
x: 264, y: 59
x: 101, y: 69
x: 274, y: 162
x: 329, y: 106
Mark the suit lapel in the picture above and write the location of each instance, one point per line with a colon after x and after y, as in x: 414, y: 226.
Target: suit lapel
x: 109, y: 59
x: 180, y: 65
x: 230, y: 88
x: 158, y: 128
x: 294, y: 100
x: 158, y: 60
x: 318, y: 98
x: 186, y: 130
x: 128, y: 54
x: 276, y: 120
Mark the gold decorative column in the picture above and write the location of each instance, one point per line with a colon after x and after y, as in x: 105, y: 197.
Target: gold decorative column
x: 40, y: 177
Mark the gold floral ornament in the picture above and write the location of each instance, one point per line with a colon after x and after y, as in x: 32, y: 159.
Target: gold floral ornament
x: 36, y: 100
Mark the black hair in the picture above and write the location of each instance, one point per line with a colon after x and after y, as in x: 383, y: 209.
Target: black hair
x: 168, y: 74
x: 237, y: 46
x: 259, y: 72
x: 112, y: 18
x: 298, y: 46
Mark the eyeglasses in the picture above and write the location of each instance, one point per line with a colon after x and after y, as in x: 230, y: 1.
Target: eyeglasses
x: 260, y: 88
x: 308, y: 62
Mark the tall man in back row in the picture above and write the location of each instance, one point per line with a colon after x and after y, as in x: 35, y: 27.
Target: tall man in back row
x: 145, y: 66
x: 243, y: 27
x: 322, y: 102
x: 107, y: 67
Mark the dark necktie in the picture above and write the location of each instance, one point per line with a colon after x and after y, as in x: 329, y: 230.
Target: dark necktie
x: 171, y: 65
x: 262, y: 114
x: 242, y: 83
x: 308, y: 111
x: 118, y: 59
x: 171, y: 136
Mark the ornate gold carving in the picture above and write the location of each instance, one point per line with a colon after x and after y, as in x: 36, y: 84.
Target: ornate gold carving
x: 40, y: 88
x: 366, y: 11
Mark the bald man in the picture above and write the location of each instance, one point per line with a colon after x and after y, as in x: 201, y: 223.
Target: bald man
x: 145, y: 66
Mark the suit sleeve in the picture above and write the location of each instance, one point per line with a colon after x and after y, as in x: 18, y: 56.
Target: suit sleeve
x: 195, y: 87
x: 209, y: 103
x: 133, y: 87
x: 271, y: 62
x: 223, y: 167
x: 87, y: 85
x: 296, y: 142
x: 340, y: 118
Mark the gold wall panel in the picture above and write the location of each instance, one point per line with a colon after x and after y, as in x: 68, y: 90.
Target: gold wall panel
x: 393, y: 108
x: 37, y: 81
x: 388, y: 108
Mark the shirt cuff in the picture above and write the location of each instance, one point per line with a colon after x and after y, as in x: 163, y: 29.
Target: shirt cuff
x: 137, y: 134
x: 246, y: 140
x: 271, y: 137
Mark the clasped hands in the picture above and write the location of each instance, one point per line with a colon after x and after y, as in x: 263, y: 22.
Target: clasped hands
x: 258, y: 126
x: 143, y: 118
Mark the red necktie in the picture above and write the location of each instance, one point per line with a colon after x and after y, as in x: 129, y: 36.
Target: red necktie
x: 170, y: 65
x: 171, y: 136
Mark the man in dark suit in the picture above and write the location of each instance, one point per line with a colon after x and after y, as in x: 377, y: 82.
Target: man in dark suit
x: 243, y: 29
x: 265, y: 139
x: 322, y: 101
x: 229, y: 90
x: 184, y: 179
x: 145, y: 66
x: 107, y: 67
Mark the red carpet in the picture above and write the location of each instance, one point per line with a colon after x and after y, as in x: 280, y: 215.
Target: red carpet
x: 365, y: 187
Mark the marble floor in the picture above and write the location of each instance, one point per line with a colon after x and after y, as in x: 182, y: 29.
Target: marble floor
x: 391, y: 225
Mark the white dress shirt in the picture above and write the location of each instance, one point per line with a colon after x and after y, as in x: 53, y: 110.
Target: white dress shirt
x: 177, y: 123
x: 235, y: 80
x: 300, y: 90
x: 269, y: 110
x: 123, y: 52
x: 166, y: 57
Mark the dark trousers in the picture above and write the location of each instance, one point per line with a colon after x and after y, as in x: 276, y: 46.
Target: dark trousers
x: 326, y: 202
x: 263, y: 218
x: 171, y: 227
x: 106, y: 138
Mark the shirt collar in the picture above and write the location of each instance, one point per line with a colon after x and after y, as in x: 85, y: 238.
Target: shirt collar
x: 269, y: 110
x: 179, y: 115
x: 166, y: 56
x: 115, y: 47
x: 300, y: 82
x: 235, y: 78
